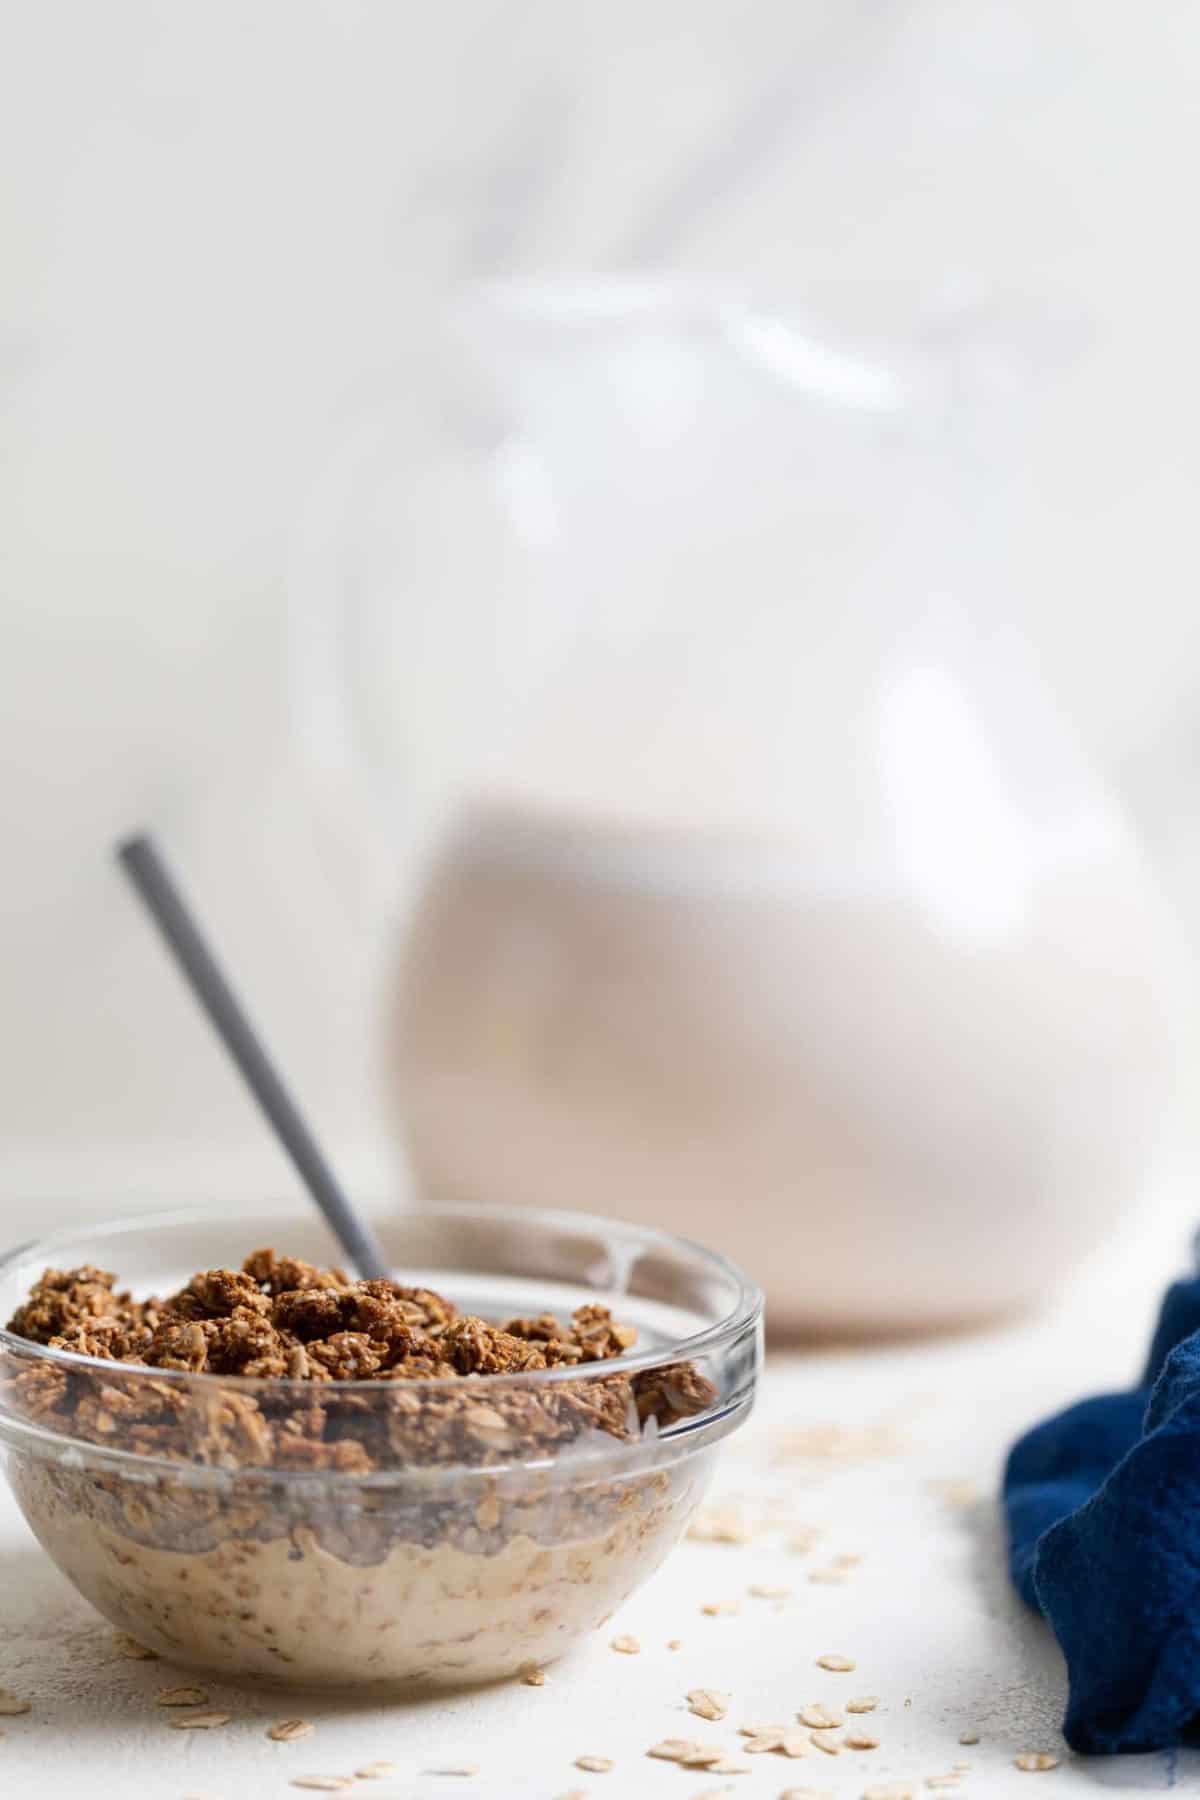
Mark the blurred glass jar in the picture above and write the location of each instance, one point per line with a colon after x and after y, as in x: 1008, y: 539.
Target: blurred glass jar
x: 762, y: 894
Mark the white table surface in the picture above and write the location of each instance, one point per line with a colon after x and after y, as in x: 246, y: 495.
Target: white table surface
x: 927, y: 1616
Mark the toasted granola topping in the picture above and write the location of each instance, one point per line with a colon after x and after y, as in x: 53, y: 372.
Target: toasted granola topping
x: 277, y: 1319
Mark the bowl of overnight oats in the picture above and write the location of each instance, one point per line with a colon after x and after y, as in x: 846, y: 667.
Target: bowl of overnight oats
x: 250, y: 1461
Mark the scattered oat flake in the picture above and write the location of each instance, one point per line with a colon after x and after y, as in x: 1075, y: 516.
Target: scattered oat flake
x: 952, y: 1780
x: 819, y: 1718
x: 284, y: 1731
x: 200, y: 1721
x: 849, y: 1559
x: 828, y: 1577
x: 456, y: 1769
x: 955, y: 1493
x: 806, y: 1794
x: 181, y: 1696
x: 786, y: 1742
x: 377, y: 1771
x: 707, y: 1703
x: 596, y: 1765
x: 758, y: 1591
x: 860, y: 1740
x: 323, y: 1784
x: 823, y: 1742
x: 11, y: 1707
x: 627, y: 1646
x: 573, y: 1794
x: 838, y: 1443
x: 804, y: 1537
x: 1035, y: 1762
x: 674, y: 1643
x: 671, y: 1749
x: 838, y: 1665
x: 129, y: 1646
x: 891, y: 1790
x: 715, y: 1609
x: 864, y: 1703
x: 718, y: 1526
x: 534, y: 1677
x: 702, y: 1756
x: 970, y: 1736
x: 728, y: 1765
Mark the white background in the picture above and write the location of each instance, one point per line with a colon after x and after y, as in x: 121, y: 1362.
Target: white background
x: 218, y: 221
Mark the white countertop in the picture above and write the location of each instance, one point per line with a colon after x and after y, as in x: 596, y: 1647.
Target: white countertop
x: 927, y: 1616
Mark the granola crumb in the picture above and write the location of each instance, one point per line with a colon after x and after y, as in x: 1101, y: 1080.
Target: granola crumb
x: 838, y: 1665
x: 285, y: 1731
x: 860, y: 1740
x: 376, y: 1771
x: 1035, y: 1762
x: 595, y: 1765
x: 11, y: 1707
x: 717, y: 1609
x: 626, y: 1646
x: 181, y: 1696
x: 200, y: 1721
x: 534, y: 1677
x: 707, y: 1703
x: 865, y: 1703
x: 674, y: 1643
x: 819, y: 1718
x: 970, y: 1736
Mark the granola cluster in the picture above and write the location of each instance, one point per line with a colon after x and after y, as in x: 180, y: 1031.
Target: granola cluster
x: 277, y: 1319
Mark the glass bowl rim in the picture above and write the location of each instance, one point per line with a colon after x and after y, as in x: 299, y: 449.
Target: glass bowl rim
x: 744, y: 1316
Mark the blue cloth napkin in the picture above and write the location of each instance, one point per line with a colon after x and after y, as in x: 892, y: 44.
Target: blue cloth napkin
x: 1103, y: 1508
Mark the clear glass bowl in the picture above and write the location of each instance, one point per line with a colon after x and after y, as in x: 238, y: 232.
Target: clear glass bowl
x: 467, y: 1553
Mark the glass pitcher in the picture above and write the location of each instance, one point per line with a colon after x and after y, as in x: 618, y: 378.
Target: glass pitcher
x: 761, y: 893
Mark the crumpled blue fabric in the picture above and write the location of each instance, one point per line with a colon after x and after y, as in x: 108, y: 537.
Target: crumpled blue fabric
x: 1103, y: 1510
